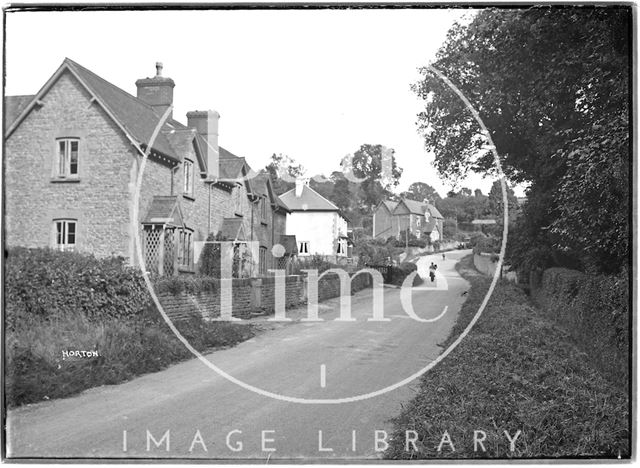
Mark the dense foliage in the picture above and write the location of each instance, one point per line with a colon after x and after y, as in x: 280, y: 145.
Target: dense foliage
x: 63, y: 301
x: 515, y: 370
x: 45, y: 283
x: 552, y: 87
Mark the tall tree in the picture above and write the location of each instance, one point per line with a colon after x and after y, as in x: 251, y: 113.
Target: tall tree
x: 367, y: 164
x: 283, y: 170
x: 419, y: 191
x: 552, y: 87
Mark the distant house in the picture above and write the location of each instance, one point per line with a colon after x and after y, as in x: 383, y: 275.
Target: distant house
x: 319, y: 226
x: 421, y: 219
x: 385, y: 224
x: 73, y: 154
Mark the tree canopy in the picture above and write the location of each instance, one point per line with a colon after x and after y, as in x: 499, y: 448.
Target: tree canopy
x: 552, y: 87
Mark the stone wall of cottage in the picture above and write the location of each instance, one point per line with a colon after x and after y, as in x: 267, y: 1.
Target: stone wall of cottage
x: 100, y: 199
x: 97, y: 199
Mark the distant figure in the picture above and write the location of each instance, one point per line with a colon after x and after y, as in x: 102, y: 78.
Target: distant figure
x: 432, y: 271
x: 443, y: 257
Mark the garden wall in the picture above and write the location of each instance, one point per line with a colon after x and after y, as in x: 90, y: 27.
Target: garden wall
x: 254, y: 296
x: 595, y: 311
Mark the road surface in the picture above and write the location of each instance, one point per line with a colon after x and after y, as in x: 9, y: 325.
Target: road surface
x: 207, y: 416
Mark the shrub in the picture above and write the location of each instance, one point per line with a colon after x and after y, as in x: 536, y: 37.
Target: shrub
x: 316, y: 262
x: 61, y: 301
x: 400, y: 272
x: 46, y: 283
x: 595, y: 309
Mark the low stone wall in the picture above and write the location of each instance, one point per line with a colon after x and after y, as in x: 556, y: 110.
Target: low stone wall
x: 253, y: 296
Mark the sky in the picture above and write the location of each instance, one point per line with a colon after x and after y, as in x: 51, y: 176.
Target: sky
x: 314, y: 85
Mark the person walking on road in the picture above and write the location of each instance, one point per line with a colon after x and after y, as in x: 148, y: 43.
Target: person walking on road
x: 432, y: 271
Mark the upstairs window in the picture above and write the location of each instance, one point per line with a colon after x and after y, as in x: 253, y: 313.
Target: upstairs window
x: 188, y: 178
x: 67, y: 158
x: 303, y: 248
x: 418, y: 221
x: 65, y: 235
x: 263, y: 209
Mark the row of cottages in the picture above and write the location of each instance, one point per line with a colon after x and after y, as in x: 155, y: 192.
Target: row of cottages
x: 422, y: 219
x: 73, y: 153
x: 319, y: 226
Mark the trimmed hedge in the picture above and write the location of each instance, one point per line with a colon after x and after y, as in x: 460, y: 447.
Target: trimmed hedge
x: 46, y: 283
x: 595, y: 310
x: 61, y: 301
x: 400, y: 272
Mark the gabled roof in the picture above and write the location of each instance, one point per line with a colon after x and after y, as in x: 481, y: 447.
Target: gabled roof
x: 388, y: 204
x: 434, y: 211
x: 419, y: 208
x: 309, y: 200
x: 13, y: 106
x: 289, y: 243
x: 263, y: 185
x: 134, y: 116
x: 232, y: 229
x: 164, y: 210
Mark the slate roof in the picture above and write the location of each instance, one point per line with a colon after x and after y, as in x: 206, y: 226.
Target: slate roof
x: 289, y: 243
x: 309, y: 200
x: 416, y: 207
x: 164, y: 210
x: 139, y: 120
x: 232, y: 229
x: 13, y: 106
x: 390, y: 204
x: 135, y: 115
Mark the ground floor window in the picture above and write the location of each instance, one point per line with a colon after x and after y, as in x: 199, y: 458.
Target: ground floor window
x: 185, y: 249
x: 65, y: 234
x: 342, y: 247
x: 262, y: 266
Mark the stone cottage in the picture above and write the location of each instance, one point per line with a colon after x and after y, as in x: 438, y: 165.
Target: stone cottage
x: 73, y: 152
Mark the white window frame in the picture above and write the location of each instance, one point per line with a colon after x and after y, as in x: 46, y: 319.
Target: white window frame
x: 187, y: 174
x: 303, y: 248
x: 61, y: 234
x: 342, y: 247
x: 418, y: 221
x: 63, y: 165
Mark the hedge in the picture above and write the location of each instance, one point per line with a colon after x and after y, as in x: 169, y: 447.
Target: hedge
x: 595, y: 310
x: 48, y: 283
x: 400, y: 272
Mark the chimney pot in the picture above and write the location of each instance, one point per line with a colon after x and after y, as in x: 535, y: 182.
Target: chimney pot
x: 156, y: 91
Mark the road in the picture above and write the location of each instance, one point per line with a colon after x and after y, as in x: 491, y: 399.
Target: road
x: 209, y: 417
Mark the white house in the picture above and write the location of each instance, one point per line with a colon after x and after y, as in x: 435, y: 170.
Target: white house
x: 319, y: 226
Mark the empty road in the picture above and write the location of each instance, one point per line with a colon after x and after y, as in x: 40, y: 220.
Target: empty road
x: 200, y: 414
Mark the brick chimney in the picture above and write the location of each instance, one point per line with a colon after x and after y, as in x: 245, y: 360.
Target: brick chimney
x: 156, y: 91
x: 206, y: 124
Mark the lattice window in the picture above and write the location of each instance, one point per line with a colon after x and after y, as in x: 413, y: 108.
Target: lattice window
x: 159, y: 250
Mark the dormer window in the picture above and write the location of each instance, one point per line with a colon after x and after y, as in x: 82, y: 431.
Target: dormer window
x: 67, y: 157
x: 188, y: 178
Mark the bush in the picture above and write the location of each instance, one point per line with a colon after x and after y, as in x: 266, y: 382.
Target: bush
x: 486, y: 245
x: 400, y: 272
x: 46, y: 283
x: 315, y: 262
x: 57, y: 301
x: 595, y: 308
x: 374, y: 251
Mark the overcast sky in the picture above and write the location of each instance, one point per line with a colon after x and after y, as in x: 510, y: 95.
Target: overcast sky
x: 314, y: 85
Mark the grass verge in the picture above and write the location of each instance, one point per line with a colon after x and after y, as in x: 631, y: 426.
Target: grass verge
x: 517, y: 370
x: 36, y: 369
